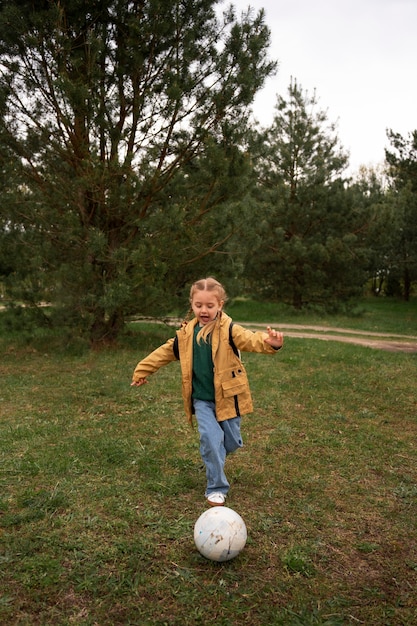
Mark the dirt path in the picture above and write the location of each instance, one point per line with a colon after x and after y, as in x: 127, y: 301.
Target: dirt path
x: 390, y: 342
x: 379, y: 341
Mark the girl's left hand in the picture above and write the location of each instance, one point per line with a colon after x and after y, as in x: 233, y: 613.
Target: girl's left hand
x: 274, y: 338
x: 138, y: 383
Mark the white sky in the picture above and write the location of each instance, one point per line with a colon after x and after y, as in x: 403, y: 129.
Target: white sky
x: 360, y: 57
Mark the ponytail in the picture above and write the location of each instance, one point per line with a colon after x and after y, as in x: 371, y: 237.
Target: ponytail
x: 187, y: 317
x: 204, y: 332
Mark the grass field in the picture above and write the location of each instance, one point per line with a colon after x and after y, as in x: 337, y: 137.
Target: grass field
x: 101, y: 485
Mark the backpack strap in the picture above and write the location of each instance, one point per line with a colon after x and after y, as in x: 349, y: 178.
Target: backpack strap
x: 232, y: 343
x: 176, y: 348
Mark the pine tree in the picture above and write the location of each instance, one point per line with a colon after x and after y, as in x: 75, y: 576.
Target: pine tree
x: 106, y: 107
x: 308, y: 249
x: 402, y: 164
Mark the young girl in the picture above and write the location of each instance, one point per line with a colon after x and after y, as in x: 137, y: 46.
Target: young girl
x: 214, y: 382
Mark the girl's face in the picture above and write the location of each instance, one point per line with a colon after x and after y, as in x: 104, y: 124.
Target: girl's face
x: 205, y: 305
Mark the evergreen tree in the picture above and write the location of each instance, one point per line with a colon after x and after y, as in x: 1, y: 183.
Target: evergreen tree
x: 309, y: 247
x: 373, y: 197
x: 402, y: 164
x: 109, y: 108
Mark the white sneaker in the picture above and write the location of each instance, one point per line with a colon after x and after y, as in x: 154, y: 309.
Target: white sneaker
x: 216, y: 499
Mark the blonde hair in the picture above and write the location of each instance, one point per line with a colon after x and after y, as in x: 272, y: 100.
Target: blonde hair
x: 212, y: 285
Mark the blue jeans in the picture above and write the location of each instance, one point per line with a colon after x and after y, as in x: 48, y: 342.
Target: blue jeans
x: 217, y: 440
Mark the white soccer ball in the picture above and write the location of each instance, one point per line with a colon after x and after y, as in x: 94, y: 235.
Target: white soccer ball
x: 220, y: 534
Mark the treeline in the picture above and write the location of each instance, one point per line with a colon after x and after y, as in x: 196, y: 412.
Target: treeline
x: 130, y: 164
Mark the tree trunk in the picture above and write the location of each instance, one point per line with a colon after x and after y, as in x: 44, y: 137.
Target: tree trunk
x: 407, y: 284
x: 105, y: 329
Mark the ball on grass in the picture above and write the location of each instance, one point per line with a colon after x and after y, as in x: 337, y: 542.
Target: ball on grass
x: 220, y: 534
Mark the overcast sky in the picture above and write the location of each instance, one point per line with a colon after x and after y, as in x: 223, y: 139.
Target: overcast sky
x: 360, y: 57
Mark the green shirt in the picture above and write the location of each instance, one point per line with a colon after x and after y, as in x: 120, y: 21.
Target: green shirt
x: 203, y: 378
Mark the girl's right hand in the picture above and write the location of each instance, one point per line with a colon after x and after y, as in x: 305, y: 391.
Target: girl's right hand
x: 138, y: 383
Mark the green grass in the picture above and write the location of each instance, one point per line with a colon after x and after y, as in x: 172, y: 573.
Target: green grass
x: 101, y: 484
x: 371, y: 314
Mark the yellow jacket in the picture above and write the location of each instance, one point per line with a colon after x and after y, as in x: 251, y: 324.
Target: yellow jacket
x: 231, y: 385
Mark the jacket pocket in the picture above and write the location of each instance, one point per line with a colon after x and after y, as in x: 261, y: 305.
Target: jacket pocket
x: 236, y: 385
